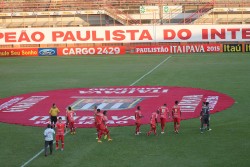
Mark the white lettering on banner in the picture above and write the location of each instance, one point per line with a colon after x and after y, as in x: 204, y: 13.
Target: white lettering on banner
x: 189, y: 103
x: 169, y: 49
x: 10, y: 102
x: 126, y: 34
x: 91, y: 51
x: 87, y: 118
x: 152, y: 50
x: 25, y: 104
x: 212, y: 101
x: 84, y: 119
x: 41, y: 122
x: 123, y: 91
x: 187, y: 49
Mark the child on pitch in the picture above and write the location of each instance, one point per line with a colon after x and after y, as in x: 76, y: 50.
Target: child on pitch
x: 153, y: 122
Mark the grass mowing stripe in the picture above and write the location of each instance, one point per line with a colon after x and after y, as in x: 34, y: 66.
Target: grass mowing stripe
x: 40, y: 152
x: 31, y: 159
x: 151, y: 70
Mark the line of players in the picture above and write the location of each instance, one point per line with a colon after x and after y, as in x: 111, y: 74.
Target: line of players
x: 100, y: 123
x: 101, y: 120
x: 163, y: 112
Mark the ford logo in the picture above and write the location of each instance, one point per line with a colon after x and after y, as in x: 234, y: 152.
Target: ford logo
x: 47, y: 52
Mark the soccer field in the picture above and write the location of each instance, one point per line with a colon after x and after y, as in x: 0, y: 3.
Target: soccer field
x: 227, y: 144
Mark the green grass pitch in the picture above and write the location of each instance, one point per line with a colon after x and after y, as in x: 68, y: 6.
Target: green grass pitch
x: 228, y: 144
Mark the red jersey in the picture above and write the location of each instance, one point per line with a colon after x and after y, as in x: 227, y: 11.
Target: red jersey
x: 99, y: 118
x: 60, y: 128
x: 153, y: 118
x: 105, y: 119
x: 138, y: 116
x: 163, y: 111
x: 176, y: 111
x: 70, y: 116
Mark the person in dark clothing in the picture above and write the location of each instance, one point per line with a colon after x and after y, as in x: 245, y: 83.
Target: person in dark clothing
x: 205, y: 117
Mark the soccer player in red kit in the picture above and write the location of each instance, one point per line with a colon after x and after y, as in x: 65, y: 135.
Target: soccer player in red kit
x: 138, y: 116
x: 98, y: 120
x: 163, y: 111
x: 153, y: 122
x: 60, y: 129
x: 103, y: 128
x: 70, y: 117
x: 176, y: 113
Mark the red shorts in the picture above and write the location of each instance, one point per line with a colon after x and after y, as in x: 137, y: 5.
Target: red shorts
x: 163, y: 120
x: 105, y: 130
x: 71, y: 124
x: 177, y: 120
x: 138, y: 124
x: 59, y: 137
x: 153, y: 126
x: 102, y: 127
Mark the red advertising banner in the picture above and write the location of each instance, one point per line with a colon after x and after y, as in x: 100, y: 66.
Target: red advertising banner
x: 171, y: 49
x: 99, y: 50
x: 19, y: 52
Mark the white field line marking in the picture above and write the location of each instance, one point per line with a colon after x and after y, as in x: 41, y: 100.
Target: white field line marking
x: 31, y: 159
x: 151, y: 71
x: 40, y: 152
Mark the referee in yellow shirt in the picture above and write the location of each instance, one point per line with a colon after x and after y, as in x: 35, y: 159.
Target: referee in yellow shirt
x: 54, y: 111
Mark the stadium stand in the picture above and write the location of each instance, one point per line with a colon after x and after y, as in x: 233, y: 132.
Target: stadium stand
x: 66, y: 13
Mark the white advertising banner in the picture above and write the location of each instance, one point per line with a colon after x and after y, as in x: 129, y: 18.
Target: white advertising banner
x: 126, y: 34
x: 231, y: 9
x: 172, y: 9
x: 149, y: 9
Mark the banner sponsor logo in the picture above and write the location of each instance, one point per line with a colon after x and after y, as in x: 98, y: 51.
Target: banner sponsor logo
x: 247, y: 47
x: 172, y: 9
x: 120, y: 102
x: 102, y: 50
x: 106, y: 103
x: 149, y: 9
x: 232, y: 47
x: 126, y: 34
x: 19, y: 52
x: 24, y: 104
x: 170, y: 49
x: 47, y: 51
x: 231, y: 9
x: 10, y: 102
